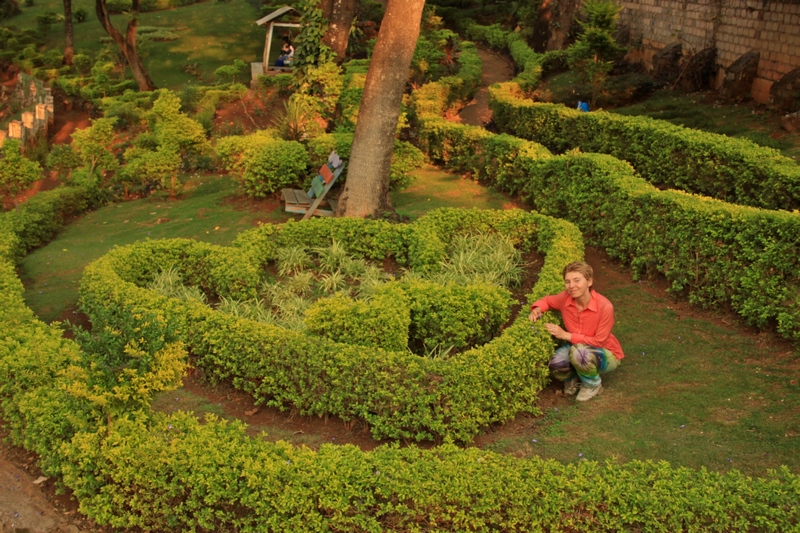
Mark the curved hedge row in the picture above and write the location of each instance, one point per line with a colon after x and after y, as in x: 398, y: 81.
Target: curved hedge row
x: 173, y: 473
x: 733, y: 170
x: 715, y: 252
x: 399, y: 394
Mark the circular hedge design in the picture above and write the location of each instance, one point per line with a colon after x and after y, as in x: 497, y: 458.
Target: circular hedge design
x: 400, y: 395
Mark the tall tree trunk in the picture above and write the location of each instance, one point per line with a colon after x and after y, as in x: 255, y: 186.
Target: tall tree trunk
x: 340, y: 15
x: 127, y: 43
x: 69, y: 38
x: 366, y: 191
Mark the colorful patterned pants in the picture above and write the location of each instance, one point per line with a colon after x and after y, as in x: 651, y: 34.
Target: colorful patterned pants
x: 582, y: 361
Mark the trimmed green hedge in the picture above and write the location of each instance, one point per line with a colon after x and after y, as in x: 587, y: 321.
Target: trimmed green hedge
x: 714, y: 252
x: 734, y: 170
x: 399, y: 394
x: 158, y: 472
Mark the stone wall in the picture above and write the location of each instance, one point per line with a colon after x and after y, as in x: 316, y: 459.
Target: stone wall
x: 37, y: 114
x: 734, y: 26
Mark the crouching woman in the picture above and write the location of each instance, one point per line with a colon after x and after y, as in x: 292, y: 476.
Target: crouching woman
x: 590, y: 348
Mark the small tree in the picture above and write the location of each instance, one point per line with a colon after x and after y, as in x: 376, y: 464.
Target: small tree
x: 160, y: 166
x: 92, y: 143
x: 16, y: 171
x: 593, y: 54
x: 63, y: 159
x: 174, y: 128
x: 228, y: 73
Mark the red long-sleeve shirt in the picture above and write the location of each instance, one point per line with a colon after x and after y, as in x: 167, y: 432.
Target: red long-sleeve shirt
x: 591, y: 326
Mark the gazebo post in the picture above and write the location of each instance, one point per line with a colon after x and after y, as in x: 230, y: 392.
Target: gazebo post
x: 268, y: 46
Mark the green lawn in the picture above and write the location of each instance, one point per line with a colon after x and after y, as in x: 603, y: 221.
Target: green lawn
x: 688, y: 391
x: 211, y: 34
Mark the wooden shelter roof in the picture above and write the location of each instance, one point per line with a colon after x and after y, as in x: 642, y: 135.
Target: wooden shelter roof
x: 275, y: 14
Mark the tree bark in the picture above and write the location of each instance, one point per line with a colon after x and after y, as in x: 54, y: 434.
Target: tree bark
x: 127, y: 43
x: 340, y: 15
x: 69, y: 36
x: 366, y: 191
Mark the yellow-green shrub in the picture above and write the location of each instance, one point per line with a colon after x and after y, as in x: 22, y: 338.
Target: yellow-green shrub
x: 729, y: 169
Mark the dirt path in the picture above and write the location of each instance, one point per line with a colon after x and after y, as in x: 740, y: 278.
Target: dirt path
x: 496, y: 68
x: 66, y: 122
x: 26, y: 505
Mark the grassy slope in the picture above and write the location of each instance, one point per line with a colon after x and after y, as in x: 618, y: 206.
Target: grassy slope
x: 210, y: 33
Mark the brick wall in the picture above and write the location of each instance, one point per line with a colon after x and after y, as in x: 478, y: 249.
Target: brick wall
x: 735, y: 26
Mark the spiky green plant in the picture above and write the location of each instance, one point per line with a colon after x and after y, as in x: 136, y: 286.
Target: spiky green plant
x: 487, y: 257
x: 301, y: 283
x: 353, y: 268
x: 331, y: 258
x: 292, y: 259
x: 332, y: 282
x: 169, y: 283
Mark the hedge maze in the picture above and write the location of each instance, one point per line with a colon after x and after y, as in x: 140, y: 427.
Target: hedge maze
x: 84, y: 408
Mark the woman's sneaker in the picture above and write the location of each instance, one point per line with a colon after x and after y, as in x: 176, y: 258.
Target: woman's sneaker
x: 587, y: 393
x: 571, y: 387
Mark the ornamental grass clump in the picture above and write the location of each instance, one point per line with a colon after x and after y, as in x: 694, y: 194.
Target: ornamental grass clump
x: 169, y: 283
x: 489, y: 258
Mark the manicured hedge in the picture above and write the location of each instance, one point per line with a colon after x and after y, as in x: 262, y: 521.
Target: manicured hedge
x: 716, y: 253
x: 155, y: 472
x: 734, y: 170
x: 397, y: 393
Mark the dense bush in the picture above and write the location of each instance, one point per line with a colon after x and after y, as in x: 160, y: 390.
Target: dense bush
x: 381, y: 322
x: 269, y: 167
x: 714, y: 252
x: 733, y: 170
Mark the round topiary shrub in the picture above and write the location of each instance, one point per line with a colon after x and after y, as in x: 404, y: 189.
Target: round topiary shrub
x: 272, y: 166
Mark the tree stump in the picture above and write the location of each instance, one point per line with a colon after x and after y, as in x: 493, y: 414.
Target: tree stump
x: 700, y: 71
x: 666, y: 63
x: 739, y: 77
x: 784, y: 95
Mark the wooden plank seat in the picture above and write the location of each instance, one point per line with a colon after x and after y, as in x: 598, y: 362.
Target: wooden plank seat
x: 314, y: 202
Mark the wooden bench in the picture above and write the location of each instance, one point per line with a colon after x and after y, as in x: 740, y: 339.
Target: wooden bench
x: 313, y: 202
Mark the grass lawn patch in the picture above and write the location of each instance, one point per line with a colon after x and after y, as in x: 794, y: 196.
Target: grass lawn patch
x: 690, y: 390
x: 210, y: 34
x: 209, y: 210
x: 434, y: 188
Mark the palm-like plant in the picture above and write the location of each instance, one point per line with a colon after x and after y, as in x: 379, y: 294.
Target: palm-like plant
x: 331, y: 258
x: 292, y: 259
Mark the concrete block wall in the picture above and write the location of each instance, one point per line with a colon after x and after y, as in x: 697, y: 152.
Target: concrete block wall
x: 733, y: 26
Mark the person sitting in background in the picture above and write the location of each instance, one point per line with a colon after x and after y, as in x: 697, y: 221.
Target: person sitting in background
x: 287, y: 53
x: 590, y: 349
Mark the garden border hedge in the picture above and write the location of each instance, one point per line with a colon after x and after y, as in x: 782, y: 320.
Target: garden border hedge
x: 716, y: 253
x: 166, y: 473
x: 400, y: 395
x: 729, y: 169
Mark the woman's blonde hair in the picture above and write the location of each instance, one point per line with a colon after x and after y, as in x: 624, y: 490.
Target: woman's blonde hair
x: 579, y: 266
